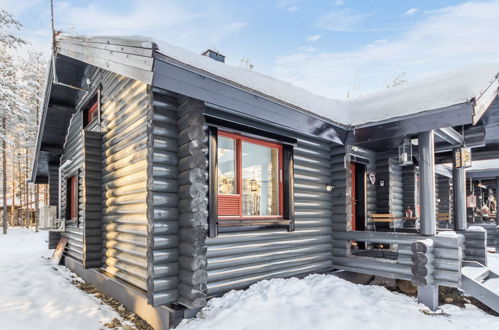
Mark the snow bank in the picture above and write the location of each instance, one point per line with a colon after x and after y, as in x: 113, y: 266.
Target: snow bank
x: 493, y: 262
x: 447, y: 233
x: 476, y: 228
x: 34, y: 294
x: 327, y: 302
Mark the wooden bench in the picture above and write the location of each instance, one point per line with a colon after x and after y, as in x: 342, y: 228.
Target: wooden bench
x: 382, y: 218
x: 388, y: 218
x: 443, y: 217
x: 443, y: 220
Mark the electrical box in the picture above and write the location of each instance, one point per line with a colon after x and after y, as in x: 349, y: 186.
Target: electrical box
x: 48, y: 219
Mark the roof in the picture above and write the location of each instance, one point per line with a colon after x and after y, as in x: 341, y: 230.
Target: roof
x: 455, y: 98
x: 439, y: 91
x: 460, y: 86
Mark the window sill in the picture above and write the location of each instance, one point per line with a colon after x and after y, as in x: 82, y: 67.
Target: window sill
x: 252, y: 222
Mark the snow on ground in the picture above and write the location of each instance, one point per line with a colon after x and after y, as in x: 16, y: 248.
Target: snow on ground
x: 328, y: 302
x: 493, y: 262
x: 35, y: 294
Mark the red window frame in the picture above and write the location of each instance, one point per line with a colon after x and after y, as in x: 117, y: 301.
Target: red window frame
x: 92, y: 113
x: 223, y: 198
x: 73, y: 199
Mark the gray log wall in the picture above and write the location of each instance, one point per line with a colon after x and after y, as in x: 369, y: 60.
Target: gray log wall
x: 125, y: 106
x: 409, y: 188
x: 54, y: 236
x: 193, y: 202
x: 476, y: 245
x: 162, y: 199
x: 92, y: 199
x: 238, y: 259
x: 389, y: 196
x: 73, y: 150
x: 492, y: 232
x: 444, y: 195
x: 342, y: 196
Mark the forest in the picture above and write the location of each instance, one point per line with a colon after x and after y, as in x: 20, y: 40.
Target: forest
x: 23, y: 78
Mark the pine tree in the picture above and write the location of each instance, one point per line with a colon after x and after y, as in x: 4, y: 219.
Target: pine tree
x: 9, y: 102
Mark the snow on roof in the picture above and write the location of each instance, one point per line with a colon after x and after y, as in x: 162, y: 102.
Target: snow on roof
x: 331, y: 109
x: 442, y: 90
x: 438, y: 91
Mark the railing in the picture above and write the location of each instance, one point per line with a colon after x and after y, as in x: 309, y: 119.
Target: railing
x: 447, y: 251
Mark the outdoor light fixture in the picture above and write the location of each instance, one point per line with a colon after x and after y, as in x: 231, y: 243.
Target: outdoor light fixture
x: 405, y: 153
x: 462, y: 157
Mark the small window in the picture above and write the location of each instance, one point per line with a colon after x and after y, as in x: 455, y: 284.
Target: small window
x: 251, y: 182
x: 72, y: 198
x: 91, y: 112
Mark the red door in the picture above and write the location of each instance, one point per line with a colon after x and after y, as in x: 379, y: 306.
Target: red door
x: 353, y: 200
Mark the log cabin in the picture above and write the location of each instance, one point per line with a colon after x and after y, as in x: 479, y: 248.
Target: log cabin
x: 180, y: 177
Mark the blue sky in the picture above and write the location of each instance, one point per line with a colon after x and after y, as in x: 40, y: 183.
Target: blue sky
x: 334, y: 48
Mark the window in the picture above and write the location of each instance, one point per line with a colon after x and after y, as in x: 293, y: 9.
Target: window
x: 249, y: 177
x: 91, y: 111
x: 250, y: 182
x: 72, y: 198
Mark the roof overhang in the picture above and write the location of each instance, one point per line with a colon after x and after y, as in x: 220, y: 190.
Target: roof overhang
x: 483, y: 174
x: 58, y: 107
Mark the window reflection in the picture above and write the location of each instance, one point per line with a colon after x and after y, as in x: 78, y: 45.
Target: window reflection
x: 260, y: 173
x: 226, y: 165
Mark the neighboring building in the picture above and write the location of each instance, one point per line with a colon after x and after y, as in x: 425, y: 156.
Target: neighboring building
x: 182, y: 177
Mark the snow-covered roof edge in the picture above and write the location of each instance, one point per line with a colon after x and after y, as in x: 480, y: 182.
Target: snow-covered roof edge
x: 475, y: 84
x: 459, y: 86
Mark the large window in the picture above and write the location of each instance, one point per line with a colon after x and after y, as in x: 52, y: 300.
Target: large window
x: 251, y: 181
x: 249, y: 177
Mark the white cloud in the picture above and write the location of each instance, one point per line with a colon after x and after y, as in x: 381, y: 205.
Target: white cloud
x: 437, y: 43
x: 314, y: 38
x: 411, y: 11
x: 341, y: 20
x: 293, y: 8
x: 339, y: 3
x: 18, y: 7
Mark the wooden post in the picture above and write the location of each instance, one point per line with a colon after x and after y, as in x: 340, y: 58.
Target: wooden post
x: 422, y: 273
x: 459, y: 194
x: 428, y: 296
x: 427, y: 183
